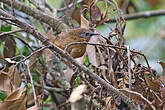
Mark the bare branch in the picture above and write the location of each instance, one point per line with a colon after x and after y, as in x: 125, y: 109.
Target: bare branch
x: 139, y: 15
x: 10, y: 32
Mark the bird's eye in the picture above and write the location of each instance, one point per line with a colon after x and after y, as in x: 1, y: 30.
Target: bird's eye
x: 87, y: 34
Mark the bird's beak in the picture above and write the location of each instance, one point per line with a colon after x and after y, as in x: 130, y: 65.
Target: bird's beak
x: 94, y: 33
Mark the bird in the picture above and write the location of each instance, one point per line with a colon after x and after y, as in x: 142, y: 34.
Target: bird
x: 73, y: 35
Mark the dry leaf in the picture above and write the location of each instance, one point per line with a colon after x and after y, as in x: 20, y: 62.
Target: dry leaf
x: 152, y: 83
x: 15, y: 77
x: 5, y: 84
x: 162, y: 78
x: 91, y: 51
x: 108, y: 103
x: 10, y: 47
x: 84, y: 22
x: 76, y: 14
x: 76, y: 94
x: 10, y: 80
x: 95, y: 13
x: 15, y: 101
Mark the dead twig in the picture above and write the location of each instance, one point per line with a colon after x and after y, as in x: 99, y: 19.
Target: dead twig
x: 33, y: 88
x: 10, y: 32
x: 140, y: 95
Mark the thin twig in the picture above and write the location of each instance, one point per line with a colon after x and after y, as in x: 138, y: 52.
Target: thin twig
x: 33, y: 88
x: 10, y: 32
x: 70, y: 5
x: 25, y: 43
x: 139, y: 15
x: 34, y: 52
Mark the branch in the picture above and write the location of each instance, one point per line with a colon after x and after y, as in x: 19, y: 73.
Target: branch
x: 70, y: 5
x: 28, y: 28
x: 10, y: 32
x: 139, y: 15
x: 33, y: 88
x: 37, y: 14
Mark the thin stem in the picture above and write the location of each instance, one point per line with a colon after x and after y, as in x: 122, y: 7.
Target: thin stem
x: 33, y: 88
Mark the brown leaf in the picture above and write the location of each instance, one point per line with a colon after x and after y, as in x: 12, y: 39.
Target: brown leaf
x: 5, y: 84
x: 10, y: 47
x: 15, y: 101
x: 152, y: 82
x: 95, y: 13
x: 162, y: 78
x: 76, y: 14
x: 15, y: 77
x: 10, y: 80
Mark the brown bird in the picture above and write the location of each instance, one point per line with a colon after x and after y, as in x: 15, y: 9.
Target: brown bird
x: 73, y: 35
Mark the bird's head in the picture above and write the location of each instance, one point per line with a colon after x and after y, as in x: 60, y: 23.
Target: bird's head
x: 83, y: 33
x: 86, y: 33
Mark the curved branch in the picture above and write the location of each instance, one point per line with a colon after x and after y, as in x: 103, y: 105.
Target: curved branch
x: 51, y: 21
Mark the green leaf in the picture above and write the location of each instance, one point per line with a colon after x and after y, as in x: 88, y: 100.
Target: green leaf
x: 86, y: 61
x: 2, y: 96
x: 5, y: 28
